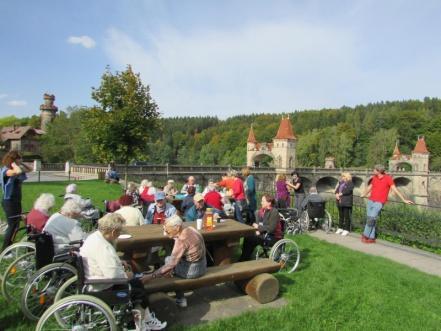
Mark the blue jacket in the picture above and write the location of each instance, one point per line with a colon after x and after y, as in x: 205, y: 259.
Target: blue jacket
x: 9, y: 183
x: 170, y: 210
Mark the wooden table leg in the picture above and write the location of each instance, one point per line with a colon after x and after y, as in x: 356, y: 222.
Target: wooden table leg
x: 223, y: 251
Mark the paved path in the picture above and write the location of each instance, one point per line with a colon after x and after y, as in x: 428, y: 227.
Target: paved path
x: 424, y: 261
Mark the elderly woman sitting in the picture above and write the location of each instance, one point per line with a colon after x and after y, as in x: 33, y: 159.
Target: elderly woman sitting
x: 39, y: 215
x: 102, y: 262
x: 187, y: 259
x: 88, y: 211
x: 64, y: 227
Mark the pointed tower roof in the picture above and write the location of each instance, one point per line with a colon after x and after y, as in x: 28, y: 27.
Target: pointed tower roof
x: 396, y: 154
x: 285, y: 130
x: 420, y: 146
x: 251, y: 137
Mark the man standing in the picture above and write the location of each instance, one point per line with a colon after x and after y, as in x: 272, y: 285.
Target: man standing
x: 379, y: 189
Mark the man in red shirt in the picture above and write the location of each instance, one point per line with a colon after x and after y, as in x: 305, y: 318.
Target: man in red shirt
x: 379, y: 189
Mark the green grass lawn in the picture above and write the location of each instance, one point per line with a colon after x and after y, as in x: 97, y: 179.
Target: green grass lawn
x: 95, y: 189
x: 334, y: 288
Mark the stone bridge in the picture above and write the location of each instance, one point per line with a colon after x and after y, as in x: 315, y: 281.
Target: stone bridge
x: 423, y: 187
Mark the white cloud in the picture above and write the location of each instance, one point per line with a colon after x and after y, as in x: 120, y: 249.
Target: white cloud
x: 17, y: 103
x: 260, y: 68
x: 85, y: 41
x: 2, y: 96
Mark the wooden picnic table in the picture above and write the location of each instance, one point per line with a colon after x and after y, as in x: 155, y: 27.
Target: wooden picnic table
x: 223, y: 238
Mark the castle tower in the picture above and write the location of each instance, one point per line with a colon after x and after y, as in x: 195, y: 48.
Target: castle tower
x: 251, y: 146
x: 48, y: 110
x: 420, y: 160
x: 284, y: 146
x: 420, y: 155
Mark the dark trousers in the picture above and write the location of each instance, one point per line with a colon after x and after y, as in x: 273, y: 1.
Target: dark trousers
x: 345, y: 216
x: 12, y: 210
x: 138, y: 294
x: 249, y: 243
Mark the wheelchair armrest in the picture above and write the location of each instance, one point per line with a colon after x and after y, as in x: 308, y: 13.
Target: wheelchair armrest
x: 115, y: 281
x: 76, y: 242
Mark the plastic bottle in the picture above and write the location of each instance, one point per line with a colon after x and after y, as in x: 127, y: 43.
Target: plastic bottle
x: 208, y: 217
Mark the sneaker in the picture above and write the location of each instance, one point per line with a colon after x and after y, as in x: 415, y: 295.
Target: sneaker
x: 339, y: 231
x: 344, y: 232
x: 152, y: 323
x: 371, y: 241
x: 181, y: 302
x: 364, y: 239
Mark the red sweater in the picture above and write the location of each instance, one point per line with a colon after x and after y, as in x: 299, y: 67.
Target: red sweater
x: 37, y: 219
x: 213, y: 199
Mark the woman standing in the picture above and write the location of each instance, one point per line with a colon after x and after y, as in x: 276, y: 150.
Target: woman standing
x: 250, y: 192
x: 282, y: 193
x: 12, y: 175
x: 299, y: 191
x: 344, y: 193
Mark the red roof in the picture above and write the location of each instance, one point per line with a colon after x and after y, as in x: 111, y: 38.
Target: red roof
x: 251, y: 137
x: 285, y: 130
x: 420, y: 146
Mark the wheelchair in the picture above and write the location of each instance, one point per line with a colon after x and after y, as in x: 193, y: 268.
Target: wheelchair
x: 289, y: 218
x: 89, y: 310
x: 17, y: 249
x: 315, y: 216
x: 286, y: 252
x: 52, y: 272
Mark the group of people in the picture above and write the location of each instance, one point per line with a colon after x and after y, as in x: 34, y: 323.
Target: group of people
x: 187, y: 259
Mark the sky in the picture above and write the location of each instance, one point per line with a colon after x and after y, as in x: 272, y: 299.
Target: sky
x: 221, y: 58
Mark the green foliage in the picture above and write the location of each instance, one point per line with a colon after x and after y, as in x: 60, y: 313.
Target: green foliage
x: 65, y: 138
x: 124, y: 127
x: 121, y: 126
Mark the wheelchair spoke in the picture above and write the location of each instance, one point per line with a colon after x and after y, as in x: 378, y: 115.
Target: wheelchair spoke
x: 77, y: 316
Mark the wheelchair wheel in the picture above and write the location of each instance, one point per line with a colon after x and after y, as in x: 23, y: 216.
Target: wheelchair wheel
x: 304, y: 222
x: 67, y: 289
x: 40, y: 290
x: 16, y: 276
x: 78, y: 312
x: 13, y: 252
x: 287, y: 254
x: 327, y: 222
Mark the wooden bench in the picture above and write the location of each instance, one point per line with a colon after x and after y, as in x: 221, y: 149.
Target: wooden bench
x: 253, y: 277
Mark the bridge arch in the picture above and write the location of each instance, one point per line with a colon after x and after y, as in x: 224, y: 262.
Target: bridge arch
x: 263, y: 158
x: 404, y: 184
x: 403, y: 166
x: 326, y: 184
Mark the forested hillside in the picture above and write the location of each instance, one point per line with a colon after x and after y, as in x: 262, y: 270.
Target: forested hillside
x: 357, y: 137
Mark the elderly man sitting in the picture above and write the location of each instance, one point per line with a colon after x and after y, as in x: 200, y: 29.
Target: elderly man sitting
x: 64, y: 227
x: 101, y: 262
x: 199, y: 208
x: 187, y: 259
x: 160, y: 210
